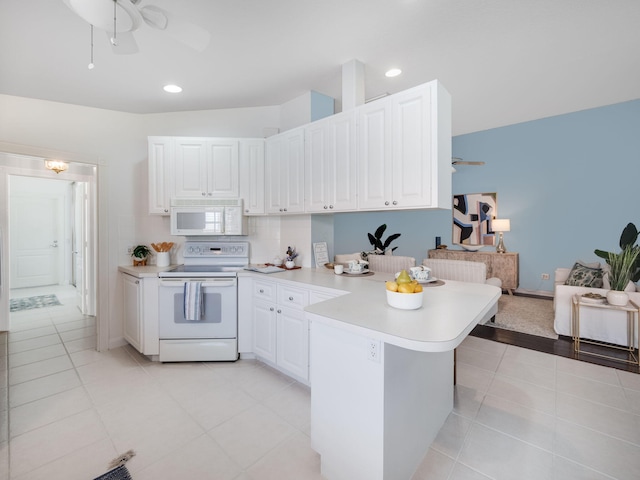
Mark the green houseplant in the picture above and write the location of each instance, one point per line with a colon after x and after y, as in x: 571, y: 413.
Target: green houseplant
x: 380, y: 246
x: 624, y: 266
x: 140, y: 254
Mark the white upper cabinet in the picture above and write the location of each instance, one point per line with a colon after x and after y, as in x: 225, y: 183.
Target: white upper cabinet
x: 331, y: 164
x: 284, y: 172
x: 252, y: 175
x: 206, y: 167
x: 405, y: 150
x: 160, y: 174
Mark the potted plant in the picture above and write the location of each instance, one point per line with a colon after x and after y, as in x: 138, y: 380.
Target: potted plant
x: 140, y: 254
x: 623, y: 267
x: 379, y: 246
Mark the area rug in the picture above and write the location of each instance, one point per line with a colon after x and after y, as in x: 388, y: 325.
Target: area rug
x: 526, y: 315
x: 118, y: 469
x: 29, y: 303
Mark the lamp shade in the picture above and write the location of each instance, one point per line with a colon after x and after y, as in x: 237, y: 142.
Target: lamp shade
x: 501, y: 225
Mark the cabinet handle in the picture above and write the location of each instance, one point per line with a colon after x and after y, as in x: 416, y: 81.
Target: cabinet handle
x: 291, y: 298
x: 204, y: 194
x: 271, y: 309
x: 330, y: 207
x: 166, y: 210
x: 386, y: 203
x: 279, y: 311
x: 285, y: 209
x: 137, y: 282
x: 281, y: 210
x: 261, y: 290
x: 325, y: 207
x: 246, y: 211
x: 395, y: 203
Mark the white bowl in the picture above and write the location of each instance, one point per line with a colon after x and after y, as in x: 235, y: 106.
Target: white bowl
x: 405, y: 301
x: 471, y: 248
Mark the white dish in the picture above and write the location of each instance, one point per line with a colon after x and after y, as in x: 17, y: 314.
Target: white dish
x: 431, y: 280
x: 593, y: 300
x: 360, y: 272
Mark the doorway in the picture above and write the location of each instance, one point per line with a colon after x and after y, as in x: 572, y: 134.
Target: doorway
x: 49, y: 235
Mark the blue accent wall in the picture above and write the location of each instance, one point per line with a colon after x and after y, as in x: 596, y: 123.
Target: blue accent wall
x: 569, y: 184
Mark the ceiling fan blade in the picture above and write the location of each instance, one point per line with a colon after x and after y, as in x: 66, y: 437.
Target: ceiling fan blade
x: 125, y: 43
x: 99, y: 13
x: 183, y: 31
x: 459, y: 161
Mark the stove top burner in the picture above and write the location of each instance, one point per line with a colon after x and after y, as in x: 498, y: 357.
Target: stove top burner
x: 211, y: 259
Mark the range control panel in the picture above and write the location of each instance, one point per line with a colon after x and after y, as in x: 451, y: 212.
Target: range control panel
x: 216, y: 249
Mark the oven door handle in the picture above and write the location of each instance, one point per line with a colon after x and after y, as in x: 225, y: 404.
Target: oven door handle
x: 210, y: 282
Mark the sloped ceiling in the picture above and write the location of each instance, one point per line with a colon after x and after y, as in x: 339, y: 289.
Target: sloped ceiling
x: 503, y: 61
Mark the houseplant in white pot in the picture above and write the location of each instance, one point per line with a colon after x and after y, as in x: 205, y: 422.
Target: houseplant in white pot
x: 140, y: 254
x: 624, y: 267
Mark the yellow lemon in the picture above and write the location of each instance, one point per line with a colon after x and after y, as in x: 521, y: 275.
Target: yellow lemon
x: 405, y: 288
x: 418, y: 288
x: 392, y: 286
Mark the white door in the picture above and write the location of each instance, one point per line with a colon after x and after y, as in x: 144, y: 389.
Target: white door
x: 36, y: 240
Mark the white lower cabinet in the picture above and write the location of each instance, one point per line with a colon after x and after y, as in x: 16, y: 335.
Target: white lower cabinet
x: 140, y: 313
x: 280, y: 328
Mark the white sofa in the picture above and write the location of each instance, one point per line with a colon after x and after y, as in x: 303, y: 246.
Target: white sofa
x: 596, y: 324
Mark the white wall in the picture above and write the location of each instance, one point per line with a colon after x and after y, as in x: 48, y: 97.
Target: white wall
x: 118, y: 143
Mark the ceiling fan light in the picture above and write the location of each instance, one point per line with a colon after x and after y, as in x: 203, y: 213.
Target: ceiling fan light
x: 172, y: 89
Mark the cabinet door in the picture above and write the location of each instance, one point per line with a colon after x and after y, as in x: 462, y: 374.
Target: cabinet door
x: 190, y: 167
x: 343, y: 182
x: 284, y: 170
x: 316, y: 171
x: 374, y: 156
x: 275, y: 193
x: 293, y: 342
x: 252, y: 175
x: 160, y: 175
x: 330, y: 164
x: 131, y: 310
x: 294, y: 150
x: 222, y: 168
x: 264, y: 330
x: 412, y: 163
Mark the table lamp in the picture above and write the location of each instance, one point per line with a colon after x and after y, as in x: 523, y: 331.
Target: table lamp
x: 501, y: 225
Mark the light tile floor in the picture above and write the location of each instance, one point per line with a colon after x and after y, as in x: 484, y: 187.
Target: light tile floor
x: 518, y: 413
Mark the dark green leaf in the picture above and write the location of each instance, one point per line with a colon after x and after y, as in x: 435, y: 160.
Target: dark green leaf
x: 390, y: 239
x: 629, y: 235
x: 381, y: 230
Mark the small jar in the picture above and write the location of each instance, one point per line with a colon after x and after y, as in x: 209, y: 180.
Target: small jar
x: 289, y: 264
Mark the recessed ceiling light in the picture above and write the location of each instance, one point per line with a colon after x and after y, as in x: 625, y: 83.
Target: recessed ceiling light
x: 172, y: 88
x: 394, y: 72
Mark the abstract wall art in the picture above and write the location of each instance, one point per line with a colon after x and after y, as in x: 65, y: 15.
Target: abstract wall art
x: 472, y: 215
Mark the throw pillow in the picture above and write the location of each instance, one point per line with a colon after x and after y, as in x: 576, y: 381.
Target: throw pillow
x: 582, y: 275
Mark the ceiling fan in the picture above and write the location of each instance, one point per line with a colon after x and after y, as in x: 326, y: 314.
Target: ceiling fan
x: 120, y: 18
x: 460, y: 161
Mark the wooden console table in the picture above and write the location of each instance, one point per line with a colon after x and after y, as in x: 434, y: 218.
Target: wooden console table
x: 500, y: 265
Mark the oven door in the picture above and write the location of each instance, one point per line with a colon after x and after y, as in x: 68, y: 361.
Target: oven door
x: 220, y: 310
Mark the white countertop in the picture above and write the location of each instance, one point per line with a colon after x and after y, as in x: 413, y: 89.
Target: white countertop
x: 448, y: 314
x: 142, y: 271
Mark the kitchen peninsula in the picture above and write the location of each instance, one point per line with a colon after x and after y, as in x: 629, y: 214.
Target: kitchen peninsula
x: 382, y: 378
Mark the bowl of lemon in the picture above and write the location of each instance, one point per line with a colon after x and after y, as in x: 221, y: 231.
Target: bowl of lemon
x: 404, y: 293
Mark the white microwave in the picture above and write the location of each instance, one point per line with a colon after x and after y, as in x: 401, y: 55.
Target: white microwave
x: 207, y: 216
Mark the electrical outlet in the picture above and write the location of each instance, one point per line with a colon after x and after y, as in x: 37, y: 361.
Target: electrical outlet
x: 130, y: 249
x: 374, y: 350
x: 545, y: 276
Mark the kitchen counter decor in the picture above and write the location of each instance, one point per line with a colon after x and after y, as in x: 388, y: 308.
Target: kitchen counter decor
x: 163, y: 258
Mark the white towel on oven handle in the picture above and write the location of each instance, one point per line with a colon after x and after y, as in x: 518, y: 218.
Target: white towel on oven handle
x: 193, y: 305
